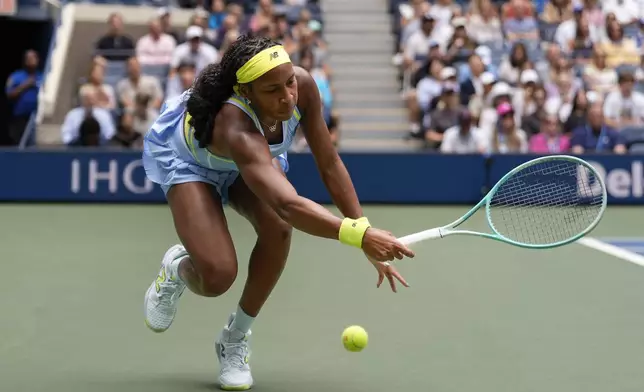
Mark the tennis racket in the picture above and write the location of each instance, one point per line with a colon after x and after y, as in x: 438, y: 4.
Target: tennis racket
x: 544, y: 203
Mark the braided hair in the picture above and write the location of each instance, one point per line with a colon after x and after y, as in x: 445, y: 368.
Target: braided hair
x: 215, y: 83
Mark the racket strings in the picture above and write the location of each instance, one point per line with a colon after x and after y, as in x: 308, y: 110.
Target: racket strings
x: 546, y: 203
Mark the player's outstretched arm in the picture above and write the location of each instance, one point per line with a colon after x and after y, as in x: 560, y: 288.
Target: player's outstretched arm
x: 251, y: 155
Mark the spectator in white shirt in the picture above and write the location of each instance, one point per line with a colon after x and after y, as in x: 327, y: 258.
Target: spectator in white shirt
x: 626, y: 11
x: 417, y: 48
x: 156, y: 47
x: 463, y: 138
x: 194, y: 50
x: 86, y: 113
x: 624, y: 106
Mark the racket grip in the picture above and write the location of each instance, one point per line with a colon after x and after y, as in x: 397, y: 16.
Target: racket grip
x: 421, y: 236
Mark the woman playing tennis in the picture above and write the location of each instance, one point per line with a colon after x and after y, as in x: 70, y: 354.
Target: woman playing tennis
x: 225, y: 141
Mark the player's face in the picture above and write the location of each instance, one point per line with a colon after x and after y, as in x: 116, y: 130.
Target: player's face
x: 275, y: 93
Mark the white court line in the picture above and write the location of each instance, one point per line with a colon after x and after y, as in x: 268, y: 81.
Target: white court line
x: 612, y: 250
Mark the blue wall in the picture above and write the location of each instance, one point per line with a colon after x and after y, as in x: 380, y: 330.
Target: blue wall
x: 108, y: 176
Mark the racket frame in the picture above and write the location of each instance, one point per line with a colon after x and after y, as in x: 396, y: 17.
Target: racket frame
x: 444, y: 231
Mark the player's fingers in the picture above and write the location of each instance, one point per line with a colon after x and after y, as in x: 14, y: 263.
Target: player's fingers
x: 399, y: 277
x: 381, y: 277
x: 405, y: 250
x: 392, y: 283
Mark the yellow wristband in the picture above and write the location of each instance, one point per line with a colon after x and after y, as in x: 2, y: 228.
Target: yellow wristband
x: 365, y: 220
x: 352, y: 231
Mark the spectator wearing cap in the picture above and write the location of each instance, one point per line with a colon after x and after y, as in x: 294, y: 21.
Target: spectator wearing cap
x: 475, y: 104
x: 473, y: 84
x: 115, y: 45
x: 420, y: 98
x: 22, y: 90
x: 156, y: 47
x: 165, y: 18
x: 194, y: 50
x: 182, y: 80
x: 523, y: 99
x: 507, y: 137
x: 531, y: 123
x: 444, y: 116
x: 625, y: 106
x: 77, y: 118
x: 514, y: 64
x: 417, y: 48
x: 460, y: 46
x: 485, y: 25
x: 619, y: 50
x: 596, y: 135
x: 501, y: 93
x: 549, y: 140
x: 519, y: 22
x: 200, y: 18
x: 463, y: 138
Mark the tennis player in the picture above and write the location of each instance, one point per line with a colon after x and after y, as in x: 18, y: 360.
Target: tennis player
x: 225, y: 141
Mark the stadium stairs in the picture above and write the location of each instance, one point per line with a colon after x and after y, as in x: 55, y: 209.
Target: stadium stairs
x: 366, y: 89
x: 81, y: 25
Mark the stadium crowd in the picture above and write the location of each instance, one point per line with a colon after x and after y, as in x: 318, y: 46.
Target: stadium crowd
x: 481, y: 76
x: 130, y: 77
x: 519, y: 76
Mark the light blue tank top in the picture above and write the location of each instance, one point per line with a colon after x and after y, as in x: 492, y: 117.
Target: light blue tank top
x: 173, y: 126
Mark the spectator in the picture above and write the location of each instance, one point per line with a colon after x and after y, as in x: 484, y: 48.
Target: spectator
x: 508, y: 137
x: 624, y: 106
x: 444, y: 116
x: 513, y: 65
x: 230, y: 24
x: 476, y: 102
x: 619, y: 50
x: 417, y: 48
x: 463, y: 138
x: 473, y: 84
x: 531, y: 123
x: 501, y: 93
x: 166, y: 24
x: 217, y: 14
x: 554, y: 62
x: 87, y: 115
x: 89, y: 133
x: 597, y: 76
x: 519, y: 22
x: 156, y: 47
x: 323, y: 84
x: 567, y: 30
x: 626, y: 11
x: 419, y: 99
x: 142, y: 115
x: 460, y: 46
x: 557, y: 11
x: 523, y: 99
x: 115, y: 45
x: 581, y: 46
x: 263, y: 16
x: 22, y: 92
x: 597, y: 136
x: 444, y: 10
x: 104, y: 93
x: 200, y: 19
x: 549, y: 140
x: 182, y: 80
x: 194, y: 50
x: 578, y: 113
x: 137, y: 83
x: 485, y: 25
x: 561, y: 94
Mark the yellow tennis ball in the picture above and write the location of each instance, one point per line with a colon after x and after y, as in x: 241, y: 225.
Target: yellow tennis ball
x: 355, y: 338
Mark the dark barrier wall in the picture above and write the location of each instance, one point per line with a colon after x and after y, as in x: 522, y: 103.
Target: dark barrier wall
x: 91, y: 176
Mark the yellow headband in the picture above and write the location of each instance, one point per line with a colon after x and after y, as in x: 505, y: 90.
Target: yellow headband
x: 261, y: 63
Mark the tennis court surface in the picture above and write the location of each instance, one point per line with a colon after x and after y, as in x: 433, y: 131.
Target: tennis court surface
x: 480, y: 316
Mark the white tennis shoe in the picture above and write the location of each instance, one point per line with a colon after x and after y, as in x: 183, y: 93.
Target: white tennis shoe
x: 233, y: 353
x: 160, y: 303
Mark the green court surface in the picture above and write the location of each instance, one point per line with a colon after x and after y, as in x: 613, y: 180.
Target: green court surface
x: 480, y: 316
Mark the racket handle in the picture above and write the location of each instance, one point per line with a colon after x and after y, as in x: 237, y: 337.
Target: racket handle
x: 421, y: 236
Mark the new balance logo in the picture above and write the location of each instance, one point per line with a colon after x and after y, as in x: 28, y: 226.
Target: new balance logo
x: 274, y: 55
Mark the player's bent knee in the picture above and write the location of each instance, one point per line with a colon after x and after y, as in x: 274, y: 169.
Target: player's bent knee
x: 218, y: 276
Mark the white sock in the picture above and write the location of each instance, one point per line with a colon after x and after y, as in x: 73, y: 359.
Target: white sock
x: 173, y: 269
x: 242, y: 321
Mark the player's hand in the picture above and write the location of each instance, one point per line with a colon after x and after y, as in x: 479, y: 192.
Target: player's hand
x: 380, y: 245
x: 388, y: 270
